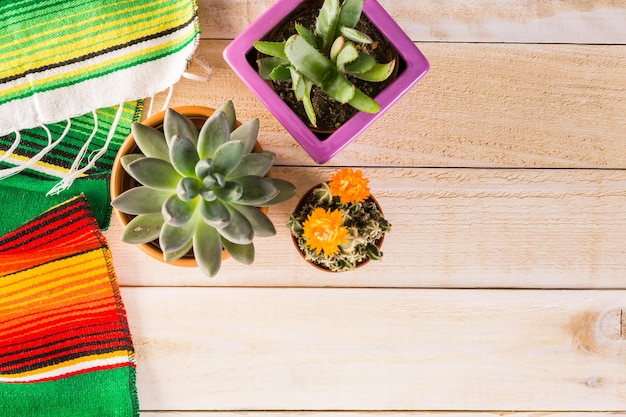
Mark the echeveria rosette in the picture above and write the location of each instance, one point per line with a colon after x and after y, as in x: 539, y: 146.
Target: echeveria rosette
x: 342, y: 246
x: 326, y: 57
x: 200, y: 189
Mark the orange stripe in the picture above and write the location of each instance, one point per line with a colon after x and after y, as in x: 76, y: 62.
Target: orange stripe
x: 85, y: 288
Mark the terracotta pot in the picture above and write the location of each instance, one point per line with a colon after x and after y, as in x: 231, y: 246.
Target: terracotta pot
x: 122, y: 181
x: 379, y: 242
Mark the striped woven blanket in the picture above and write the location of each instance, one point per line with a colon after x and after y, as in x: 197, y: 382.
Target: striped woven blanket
x: 37, y: 172
x: 60, y: 59
x: 64, y: 65
x: 65, y: 345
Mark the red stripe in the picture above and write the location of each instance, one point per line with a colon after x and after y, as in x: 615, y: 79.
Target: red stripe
x: 120, y: 344
x: 40, y: 226
x: 62, y: 324
x: 101, y: 341
x: 106, y: 304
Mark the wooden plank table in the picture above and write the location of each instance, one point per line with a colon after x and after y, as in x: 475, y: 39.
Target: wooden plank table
x: 503, y: 285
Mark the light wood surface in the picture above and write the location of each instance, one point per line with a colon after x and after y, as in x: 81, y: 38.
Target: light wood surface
x: 502, y: 289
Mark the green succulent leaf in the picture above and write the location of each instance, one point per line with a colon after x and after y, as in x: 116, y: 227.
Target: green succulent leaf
x: 230, y: 192
x: 272, y: 68
x: 177, y: 212
x: 204, y: 167
x: 207, y: 248
x: 247, y: 133
x: 350, y: 13
x: 363, y: 102
x: 239, y: 230
x: 280, y: 73
x: 327, y: 21
x: 228, y: 108
x: 214, y: 133
x: 155, y: 173
x: 174, y: 238
x: 275, y: 49
x: 355, y: 35
x: 361, y: 64
x: 261, y: 224
x: 241, y: 253
x: 140, y: 200
x: 309, y: 36
x: 257, y: 163
x: 175, y: 255
x: 219, y: 180
x: 298, y: 83
x: 319, y: 69
x: 256, y: 190
x: 348, y: 54
x: 127, y: 159
x: 308, y: 104
x: 183, y: 155
x: 150, y: 141
x: 188, y: 188
x: 379, y: 72
x: 175, y: 123
x: 143, y: 228
x: 215, y: 213
x: 286, y: 190
x: 336, y: 47
x: 227, y: 157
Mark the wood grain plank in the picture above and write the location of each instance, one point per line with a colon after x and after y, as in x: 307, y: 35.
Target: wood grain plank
x: 481, y: 105
x: 223, y: 349
x: 451, y: 228
x: 534, y: 21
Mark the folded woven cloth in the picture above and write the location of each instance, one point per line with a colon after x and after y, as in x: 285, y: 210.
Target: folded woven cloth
x: 63, y: 65
x: 60, y: 59
x: 80, y: 161
x: 65, y: 345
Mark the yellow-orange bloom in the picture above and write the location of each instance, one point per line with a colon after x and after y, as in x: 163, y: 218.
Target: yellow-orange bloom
x: 350, y: 186
x: 324, y: 231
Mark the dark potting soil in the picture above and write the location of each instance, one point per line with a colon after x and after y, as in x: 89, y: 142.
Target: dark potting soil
x: 330, y: 114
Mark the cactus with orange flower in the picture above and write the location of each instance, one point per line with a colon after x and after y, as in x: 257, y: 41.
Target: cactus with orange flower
x: 338, y: 225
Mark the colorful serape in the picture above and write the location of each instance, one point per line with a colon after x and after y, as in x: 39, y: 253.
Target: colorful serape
x: 65, y: 345
x: 23, y: 195
x: 60, y: 59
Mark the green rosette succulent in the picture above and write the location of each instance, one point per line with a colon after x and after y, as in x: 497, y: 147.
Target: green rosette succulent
x: 200, y: 189
x: 326, y: 57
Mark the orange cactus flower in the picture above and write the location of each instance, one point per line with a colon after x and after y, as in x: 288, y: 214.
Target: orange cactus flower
x: 324, y: 231
x: 350, y: 186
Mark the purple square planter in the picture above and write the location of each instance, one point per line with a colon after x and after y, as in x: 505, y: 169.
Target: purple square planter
x: 241, y: 56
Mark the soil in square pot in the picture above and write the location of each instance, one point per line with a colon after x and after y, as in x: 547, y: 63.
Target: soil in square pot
x: 122, y: 181
x: 331, y: 114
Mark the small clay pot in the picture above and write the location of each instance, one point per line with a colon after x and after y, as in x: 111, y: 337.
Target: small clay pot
x: 379, y: 242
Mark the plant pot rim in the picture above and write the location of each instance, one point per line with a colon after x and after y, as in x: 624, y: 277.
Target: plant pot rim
x: 379, y: 242
x: 322, y: 151
x: 118, y: 173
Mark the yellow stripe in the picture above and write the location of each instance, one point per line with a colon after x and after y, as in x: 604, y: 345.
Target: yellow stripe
x: 34, y: 84
x: 84, y: 359
x: 45, y: 166
x: 16, y: 35
x: 86, y: 45
x: 91, y: 261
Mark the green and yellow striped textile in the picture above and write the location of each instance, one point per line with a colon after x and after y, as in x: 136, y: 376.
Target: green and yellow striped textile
x: 23, y: 194
x: 65, y: 345
x: 60, y: 59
